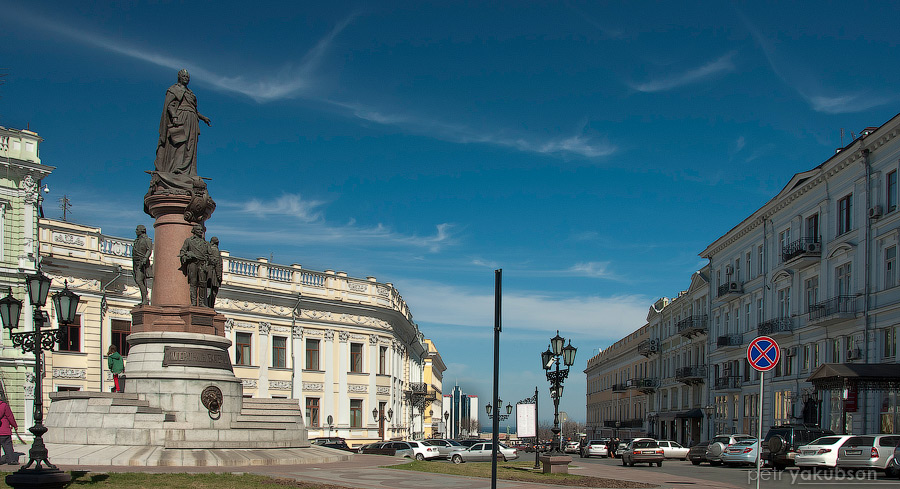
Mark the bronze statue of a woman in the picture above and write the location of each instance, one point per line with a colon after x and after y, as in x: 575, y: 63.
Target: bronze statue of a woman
x: 179, y: 131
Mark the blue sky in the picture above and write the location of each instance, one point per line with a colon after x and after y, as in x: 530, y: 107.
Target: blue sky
x: 588, y: 149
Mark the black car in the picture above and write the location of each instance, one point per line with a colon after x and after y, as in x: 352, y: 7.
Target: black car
x: 332, y: 442
x: 697, y: 453
x: 780, y: 445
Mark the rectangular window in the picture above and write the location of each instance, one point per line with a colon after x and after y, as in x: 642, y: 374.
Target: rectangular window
x: 759, y: 311
x: 889, y: 338
x: 784, y: 303
x: 891, y: 194
x: 890, y: 267
x: 842, y: 282
x: 312, y: 412
x: 279, y: 352
x: 784, y: 239
x: 356, y: 360
x: 120, y: 330
x: 815, y: 355
x: 836, y: 350
x: 382, y: 360
x: 844, y: 211
x: 747, y: 307
x: 812, y: 292
x: 242, y: 343
x: 806, y: 353
x: 759, y: 260
x: 71, y: 339
x: 312, y: 354
x: 356, y: 413
x: 749, y: 268
x: 812, y: 227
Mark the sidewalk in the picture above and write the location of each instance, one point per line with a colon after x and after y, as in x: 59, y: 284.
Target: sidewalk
x: 365, y: 472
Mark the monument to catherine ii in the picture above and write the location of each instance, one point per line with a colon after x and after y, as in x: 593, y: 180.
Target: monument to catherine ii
x: 182, y: 394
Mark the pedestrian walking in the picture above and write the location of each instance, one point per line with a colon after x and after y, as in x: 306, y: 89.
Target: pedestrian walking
x: 7, y: 424
x: 117, y: 367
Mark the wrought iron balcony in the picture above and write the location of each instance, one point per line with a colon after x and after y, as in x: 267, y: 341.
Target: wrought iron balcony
x: 619, y: 387
x: 729, y: 289
x: 802, y: 253
x: 648, y: 347
x: 625, y: 423
x: 775, y: 326
x: 691, y: 375
x: 727, y: 383
x: 693, y: 325
x: 730, y: 340
x: 833, y: 310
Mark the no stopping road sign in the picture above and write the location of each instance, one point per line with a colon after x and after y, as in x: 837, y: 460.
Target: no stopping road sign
x: 763, y: 353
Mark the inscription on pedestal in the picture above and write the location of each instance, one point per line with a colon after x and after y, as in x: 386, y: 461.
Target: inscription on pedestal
x: 195, y: 357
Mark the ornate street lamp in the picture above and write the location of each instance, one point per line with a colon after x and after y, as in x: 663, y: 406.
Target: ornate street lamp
x: 710, y: 410
x: 503, y: 417
x: 65, y: 303
x: 446, y: 424
x: 551, y: 356
x: 379, y: 417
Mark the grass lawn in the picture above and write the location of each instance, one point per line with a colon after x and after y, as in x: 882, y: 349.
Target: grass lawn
x: 516, y: 471
x: 181, y: 481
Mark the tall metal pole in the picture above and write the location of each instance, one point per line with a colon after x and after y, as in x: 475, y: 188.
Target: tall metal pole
x: 537, y: 433
x: 554, y: 448
x: 495, y: 428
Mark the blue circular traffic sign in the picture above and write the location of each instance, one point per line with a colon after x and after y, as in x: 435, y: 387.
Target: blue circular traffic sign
x: 763, y: 353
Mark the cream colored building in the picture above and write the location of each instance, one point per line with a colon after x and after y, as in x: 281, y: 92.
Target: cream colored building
x: 434, y: 377
x: 341, y: 346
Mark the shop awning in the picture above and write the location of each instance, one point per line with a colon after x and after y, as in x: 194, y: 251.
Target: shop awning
x: 690, y: 413
x: 871, y: 376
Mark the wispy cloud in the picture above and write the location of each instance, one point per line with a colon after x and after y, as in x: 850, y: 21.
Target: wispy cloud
x: 709, y: 70
x: 290, y: 81
x: 739, y: 144
x: 591, y: 269
x: 485, y: 263
x: 792, y: 73
x: 286, y: 205
x: 576, y: 144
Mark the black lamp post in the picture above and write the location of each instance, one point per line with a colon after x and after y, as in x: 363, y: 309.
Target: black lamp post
x: 554, y: 352
x: 65, y: 303
x: 502, y: 417
x: 379, y: 417
x: 446, y: 424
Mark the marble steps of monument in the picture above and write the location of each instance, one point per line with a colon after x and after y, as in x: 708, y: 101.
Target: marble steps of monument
x: 242, y: 424
x: 269, y: 418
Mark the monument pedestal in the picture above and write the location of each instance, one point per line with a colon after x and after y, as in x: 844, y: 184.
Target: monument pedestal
x: 555, y: 464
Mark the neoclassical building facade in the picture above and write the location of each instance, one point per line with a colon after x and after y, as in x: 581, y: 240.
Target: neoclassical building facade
x: 342, y: 346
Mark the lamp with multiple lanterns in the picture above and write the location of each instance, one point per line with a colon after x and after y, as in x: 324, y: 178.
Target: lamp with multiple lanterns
x: 65, y: 302
x: 554, y: 353
x: 379, y: 415
x: 503, y: 417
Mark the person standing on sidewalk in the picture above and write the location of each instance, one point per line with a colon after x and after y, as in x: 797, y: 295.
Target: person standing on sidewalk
x: 7, y: 423
x: 116, y: 366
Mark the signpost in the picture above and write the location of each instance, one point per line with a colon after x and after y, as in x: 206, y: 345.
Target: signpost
x: 763, y: 354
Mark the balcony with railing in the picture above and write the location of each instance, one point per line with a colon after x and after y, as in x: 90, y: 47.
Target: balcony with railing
x: 648, y: 347
x: 693, y: 325
x: 691, y: 375
x: 802, y: 253
x: 833, y: 310
x: 775, y: 327
x: 620, y: 387
x: 727, y: 383
x: 730, y: 340
x: 625, y: 423
x: 730, y: 289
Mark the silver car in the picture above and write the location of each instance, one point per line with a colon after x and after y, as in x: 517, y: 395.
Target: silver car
x: 743, y: 452
x: 445, y: 447
x: 868, y: 452
x: 718, y: 445
x: 820, y: 453
x: 482, y: 452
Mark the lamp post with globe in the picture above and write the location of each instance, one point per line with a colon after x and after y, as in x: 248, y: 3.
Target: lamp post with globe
x: 554, y: 353
x: 65, y: 302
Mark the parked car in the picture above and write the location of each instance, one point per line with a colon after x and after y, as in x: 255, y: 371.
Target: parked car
x: 868, y: 452
x: 672, y: 449
x: 718, y: 444
x: 413, y: 449
x: 895, y: 463
x: 444, y: 446
x: 820, y: 453
x: 468, y: 443
x: 572, y: 447
x: 332, y: 442
x: 482, y: 452
x: 620, y: 447
x: 743, y: 452
x: 595, y: 448
x: 697, y: 453
x: 780, y: 445
x: 377, y: 448
x: 643, y: 450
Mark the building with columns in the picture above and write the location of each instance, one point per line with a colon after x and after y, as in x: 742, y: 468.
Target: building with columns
x: 342, y: 346
x: 20, y: 207
x: 435, y: 424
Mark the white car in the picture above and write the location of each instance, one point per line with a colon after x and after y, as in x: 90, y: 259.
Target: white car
x: 743, y: 452
x: 595, y: 448
x: 413, y: 449
x: 482, y: 452
x: 572, y: 447
x: 821, y: 452
x: 673, y: 449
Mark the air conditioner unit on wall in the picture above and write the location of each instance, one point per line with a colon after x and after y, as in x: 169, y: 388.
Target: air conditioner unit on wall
x: 813, y: 247
x: 790, y: 352
x: 875, y: 212
x: 734, y: 286
x: 853, y: 354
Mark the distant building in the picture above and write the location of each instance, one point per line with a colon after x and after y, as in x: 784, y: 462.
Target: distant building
x: 463, y: 409
x: 434, y: 377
